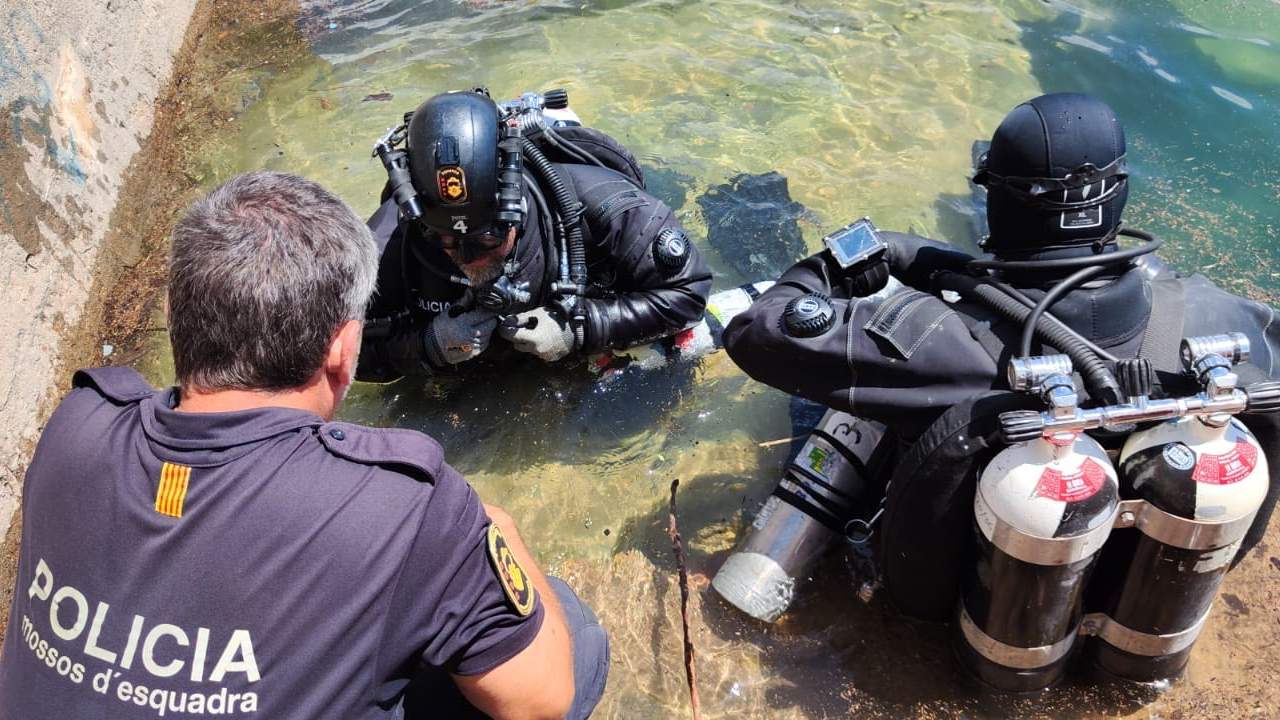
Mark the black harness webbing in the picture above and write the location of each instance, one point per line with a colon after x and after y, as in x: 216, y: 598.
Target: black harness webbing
x: 1163, y: 336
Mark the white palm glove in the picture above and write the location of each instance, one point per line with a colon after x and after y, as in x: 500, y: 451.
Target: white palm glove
x: 541, y: 331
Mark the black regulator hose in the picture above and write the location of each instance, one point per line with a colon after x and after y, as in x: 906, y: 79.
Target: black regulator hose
x: 1051, y: 297
x: 1030, y: 305
x: 1101, y: 384
x: 570, y: 212
x: 1151, y: 243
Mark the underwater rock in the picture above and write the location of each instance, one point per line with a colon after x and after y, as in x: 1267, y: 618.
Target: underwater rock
x: 751, y: 222
x: 669, y: 186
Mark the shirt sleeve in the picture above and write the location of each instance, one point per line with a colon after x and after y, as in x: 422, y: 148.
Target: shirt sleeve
x: 449, y: 609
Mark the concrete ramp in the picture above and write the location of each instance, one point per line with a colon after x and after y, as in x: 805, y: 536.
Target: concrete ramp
x: 78, y: 82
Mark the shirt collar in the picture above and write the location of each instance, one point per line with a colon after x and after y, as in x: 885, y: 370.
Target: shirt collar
x: 211, y: 438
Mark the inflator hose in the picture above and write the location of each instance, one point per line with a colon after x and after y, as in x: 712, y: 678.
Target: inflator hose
x: 1098, y: 379
x: 570, y: 212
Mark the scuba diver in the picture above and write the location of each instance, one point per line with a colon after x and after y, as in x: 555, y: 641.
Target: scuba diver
x: 513, y: 220
x: 985, y: 375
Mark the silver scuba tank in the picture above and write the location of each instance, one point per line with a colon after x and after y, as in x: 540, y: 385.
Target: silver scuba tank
x: 694, y: 342
x: 1192, y: 486
x: 1042, y: 511
x: 804, y: 515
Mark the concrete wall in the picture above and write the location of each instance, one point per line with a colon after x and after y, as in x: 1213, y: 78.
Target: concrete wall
x: 78, y: 81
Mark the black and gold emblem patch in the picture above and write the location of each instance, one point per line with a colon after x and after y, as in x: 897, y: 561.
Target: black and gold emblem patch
x: 453, y: 185
x: 514, y: 580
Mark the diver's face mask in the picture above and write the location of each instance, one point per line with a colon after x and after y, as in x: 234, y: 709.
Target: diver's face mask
x: 1085, y: 187
x: 472, y: 248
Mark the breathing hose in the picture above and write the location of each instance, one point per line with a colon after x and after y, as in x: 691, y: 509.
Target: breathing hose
x: 1030, y: 304
x: 570, y: 212
x: 1097, y: 376
x: 1151, y: 243
x: 1054, y: 294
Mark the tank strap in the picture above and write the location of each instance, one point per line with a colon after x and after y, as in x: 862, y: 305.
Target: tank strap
x: 1129, y: 640
x: 1169, y: 529
x: 823, y: 510
x: 1012, y: 656
x: 1164, y: 326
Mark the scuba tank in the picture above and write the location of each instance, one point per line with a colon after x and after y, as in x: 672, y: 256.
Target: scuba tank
x: 1042, y: 511
x: 1188, y: 534
x: 1192, y: 486
x: 703, y: 338
x: 810, y: 508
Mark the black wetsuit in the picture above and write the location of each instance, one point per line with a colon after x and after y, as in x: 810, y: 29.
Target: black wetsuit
x: 634, y: 299
x: 904, y: 359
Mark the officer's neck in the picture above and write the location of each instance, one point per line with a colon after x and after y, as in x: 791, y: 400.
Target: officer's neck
x: 315, y: 397
x: 321, y: 394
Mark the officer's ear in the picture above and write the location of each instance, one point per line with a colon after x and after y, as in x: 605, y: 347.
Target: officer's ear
x: 344, y: 351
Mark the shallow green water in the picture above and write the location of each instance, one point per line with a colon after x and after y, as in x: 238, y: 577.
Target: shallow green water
x: 866, y: 107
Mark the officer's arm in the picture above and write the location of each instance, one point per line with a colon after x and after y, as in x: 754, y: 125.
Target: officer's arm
x: 538, y: 681
x: 653, y: 295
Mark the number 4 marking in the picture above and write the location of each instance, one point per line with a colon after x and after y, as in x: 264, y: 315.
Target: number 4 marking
x: 461, y: 226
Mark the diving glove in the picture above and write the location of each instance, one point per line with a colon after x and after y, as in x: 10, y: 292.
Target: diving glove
x: 541, y: 331
x: 451, y: 339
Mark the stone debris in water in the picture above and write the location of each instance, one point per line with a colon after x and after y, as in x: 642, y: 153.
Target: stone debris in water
x: 751, y: 222
x: 1231, y: 97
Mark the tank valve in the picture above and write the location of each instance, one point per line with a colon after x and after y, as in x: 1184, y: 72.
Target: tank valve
x: 1263, y: 397
x: 1048, y: 376
x: 1136, y: 377
x: 1233, y: 346
x: 1029, y: 373
x: 557, y: 99
x: 1210, y: 357
x: 1021, y: 426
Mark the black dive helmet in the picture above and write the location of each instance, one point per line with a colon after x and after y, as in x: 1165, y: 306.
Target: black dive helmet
x: 452, y: 141
x: 1056, y: 178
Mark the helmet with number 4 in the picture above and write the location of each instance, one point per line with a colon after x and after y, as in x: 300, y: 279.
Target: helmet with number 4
x: 453, y: 160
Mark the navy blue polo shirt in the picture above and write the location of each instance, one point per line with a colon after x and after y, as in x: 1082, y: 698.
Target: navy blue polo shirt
x: 256, y: 564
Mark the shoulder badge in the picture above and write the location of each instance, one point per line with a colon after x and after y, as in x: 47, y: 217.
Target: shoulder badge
x: 514, y: 580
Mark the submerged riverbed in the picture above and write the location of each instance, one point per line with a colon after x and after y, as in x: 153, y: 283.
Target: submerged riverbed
x: 867, y: 108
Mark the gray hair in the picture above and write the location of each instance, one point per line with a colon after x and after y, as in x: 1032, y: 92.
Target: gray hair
x: 264, y: 270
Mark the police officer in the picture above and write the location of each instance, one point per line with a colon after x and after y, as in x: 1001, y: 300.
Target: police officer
x: 1057, y: 185
x: 495, y: 223
x: 226, y: 548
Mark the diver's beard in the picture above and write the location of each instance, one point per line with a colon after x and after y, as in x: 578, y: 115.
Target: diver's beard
x: 483, y: 274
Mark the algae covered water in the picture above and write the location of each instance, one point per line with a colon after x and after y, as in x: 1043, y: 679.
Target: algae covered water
x: 866, y: 108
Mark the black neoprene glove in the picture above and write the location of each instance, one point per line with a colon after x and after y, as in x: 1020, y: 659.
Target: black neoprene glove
x: 914, y: 260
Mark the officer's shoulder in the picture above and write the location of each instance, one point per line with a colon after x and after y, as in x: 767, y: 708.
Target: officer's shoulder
x: 120, y: 385
x: 403, y: 451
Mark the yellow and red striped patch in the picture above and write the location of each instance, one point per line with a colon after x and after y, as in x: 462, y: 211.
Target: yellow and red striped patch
x: 172, y: 491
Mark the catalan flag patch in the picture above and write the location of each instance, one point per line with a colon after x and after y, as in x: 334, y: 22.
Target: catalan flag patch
x: 172, y: 491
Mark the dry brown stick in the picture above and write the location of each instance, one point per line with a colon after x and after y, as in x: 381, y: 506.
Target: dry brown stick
x: 677, y: 546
